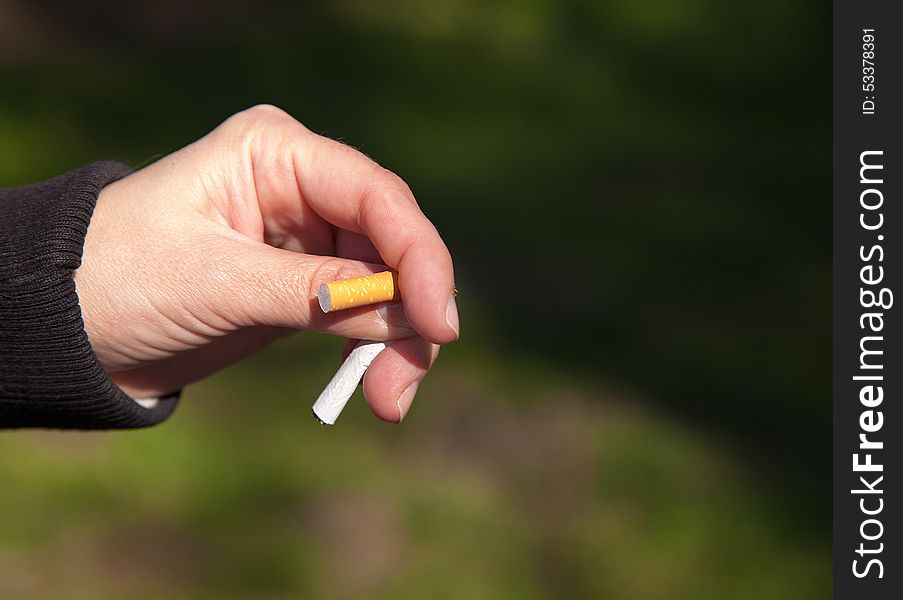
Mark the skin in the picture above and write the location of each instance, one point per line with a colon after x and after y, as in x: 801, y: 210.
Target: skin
x: 209, y: 254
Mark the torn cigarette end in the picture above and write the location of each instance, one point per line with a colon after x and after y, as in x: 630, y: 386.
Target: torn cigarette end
x: 320, y: 421
x: 338, y: 391
x: 360, y: 291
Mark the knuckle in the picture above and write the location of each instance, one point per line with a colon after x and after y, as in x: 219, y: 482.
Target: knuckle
x: 256, y: 117
x: 263, y: 112
x: 374, y: 204
x: 386, y: 198
x: 394, y: 183
x: 383, y: 199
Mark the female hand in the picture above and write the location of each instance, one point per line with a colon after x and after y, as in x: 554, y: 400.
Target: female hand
x: 212, y: 252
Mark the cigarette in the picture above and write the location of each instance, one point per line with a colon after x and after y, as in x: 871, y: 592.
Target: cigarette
x: 337, y: 392
x: 360, y: 291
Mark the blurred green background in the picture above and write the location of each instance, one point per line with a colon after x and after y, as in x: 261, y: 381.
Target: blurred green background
x: 660, y: 431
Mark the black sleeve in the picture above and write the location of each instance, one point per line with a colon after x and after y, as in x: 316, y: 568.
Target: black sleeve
x: 49, y: 375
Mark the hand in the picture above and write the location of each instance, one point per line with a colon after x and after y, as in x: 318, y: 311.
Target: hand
x: 209, y: 254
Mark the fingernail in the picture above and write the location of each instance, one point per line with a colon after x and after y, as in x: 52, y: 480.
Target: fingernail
x: 451, y: 316
x: 406, y: 399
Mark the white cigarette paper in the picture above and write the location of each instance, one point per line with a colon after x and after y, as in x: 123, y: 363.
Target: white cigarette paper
x: 335, y: 396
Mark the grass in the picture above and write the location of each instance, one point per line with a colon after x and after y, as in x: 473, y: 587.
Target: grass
x: 563, y: 491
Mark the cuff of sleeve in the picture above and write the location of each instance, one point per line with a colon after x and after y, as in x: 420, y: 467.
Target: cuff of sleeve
x: 49, y: 374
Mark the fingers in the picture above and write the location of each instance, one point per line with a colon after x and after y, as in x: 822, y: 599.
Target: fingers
x: 356, y: 246
x: 301, y: 181
x: 352, y: 192
x: 392, y: 380
x: 252, y: 284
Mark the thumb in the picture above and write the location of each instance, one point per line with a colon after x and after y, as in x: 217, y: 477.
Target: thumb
x: 261, y: 285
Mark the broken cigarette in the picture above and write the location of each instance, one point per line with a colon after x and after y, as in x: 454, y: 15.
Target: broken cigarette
x: 335, y: 396
x: 360, y: 291
x: 339, y: 295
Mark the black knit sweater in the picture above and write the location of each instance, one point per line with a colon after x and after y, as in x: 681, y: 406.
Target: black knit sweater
x: 49, y: 375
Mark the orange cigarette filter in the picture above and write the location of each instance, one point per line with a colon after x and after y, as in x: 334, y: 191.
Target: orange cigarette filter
x: 360, y: 291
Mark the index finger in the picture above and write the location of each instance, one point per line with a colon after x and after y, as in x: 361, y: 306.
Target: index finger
x: 353, y: 192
